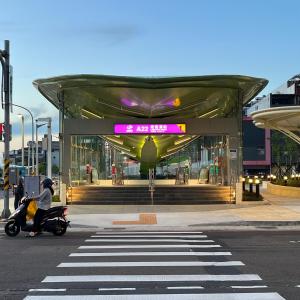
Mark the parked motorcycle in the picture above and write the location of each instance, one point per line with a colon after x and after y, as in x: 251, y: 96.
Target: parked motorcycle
x: 53, y: 221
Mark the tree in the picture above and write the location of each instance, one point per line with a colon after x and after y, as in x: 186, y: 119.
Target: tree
x: 42, y: 168
x: 55, y: 169
x: 284, y: 149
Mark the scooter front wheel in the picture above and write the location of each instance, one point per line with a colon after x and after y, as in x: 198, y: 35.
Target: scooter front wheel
x: 12, y: 228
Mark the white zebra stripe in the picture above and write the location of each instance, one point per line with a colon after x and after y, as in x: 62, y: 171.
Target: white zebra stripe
x: 117, y: 289
x: 148, y: 236
x: 106, y: 254
x: 223, y: 296
x: 151, y: 278
x: 149, y: 232
x: 248, y: 286
x: 47, y: 290
x: 120, y: 264
x: 148, y: 240
x: 147, y: 246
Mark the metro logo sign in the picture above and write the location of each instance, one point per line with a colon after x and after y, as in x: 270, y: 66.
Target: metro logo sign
x: 150, y: 128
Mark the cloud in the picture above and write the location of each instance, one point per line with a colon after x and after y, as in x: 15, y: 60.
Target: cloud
x: 108, y: 34
x: 9, y: 27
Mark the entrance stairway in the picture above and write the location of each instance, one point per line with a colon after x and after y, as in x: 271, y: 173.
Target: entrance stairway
x: 140, y: 195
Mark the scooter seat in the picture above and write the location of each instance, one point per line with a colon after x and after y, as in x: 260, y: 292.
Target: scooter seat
x: 55, y: 208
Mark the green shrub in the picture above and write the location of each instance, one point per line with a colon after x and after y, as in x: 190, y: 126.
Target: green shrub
x: 55, y: 198
x: 290, y: 182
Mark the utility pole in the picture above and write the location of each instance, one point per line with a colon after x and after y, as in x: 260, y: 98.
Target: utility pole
x: 4, y: 58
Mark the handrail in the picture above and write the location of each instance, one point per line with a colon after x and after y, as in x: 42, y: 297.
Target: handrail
x: 151, y: 185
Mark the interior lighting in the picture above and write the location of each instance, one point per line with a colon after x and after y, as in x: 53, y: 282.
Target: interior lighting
x: 115, y: 140
x: 213, y: 116
x: 182, y: 140
x: 176, y: 102
x: 208, y: 113
x: 91, y: 113
x: 129, y: 102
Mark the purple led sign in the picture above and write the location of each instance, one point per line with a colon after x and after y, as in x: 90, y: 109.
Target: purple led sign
x: 150, y: 128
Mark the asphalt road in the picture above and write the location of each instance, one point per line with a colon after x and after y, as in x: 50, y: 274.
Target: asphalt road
x: 254, y: 265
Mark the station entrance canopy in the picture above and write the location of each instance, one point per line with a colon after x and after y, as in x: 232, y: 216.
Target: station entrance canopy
x: 178, y: 109
x: 285, y: 119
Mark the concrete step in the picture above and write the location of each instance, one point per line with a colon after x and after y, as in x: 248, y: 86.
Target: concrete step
x: 137, y: 195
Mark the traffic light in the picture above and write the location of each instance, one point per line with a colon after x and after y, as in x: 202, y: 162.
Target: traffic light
x: 4, y: 133
x: 1, y: 131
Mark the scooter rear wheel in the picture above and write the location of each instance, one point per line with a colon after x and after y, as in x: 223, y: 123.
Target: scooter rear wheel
x: 60, y: 228
x: 12, y: 228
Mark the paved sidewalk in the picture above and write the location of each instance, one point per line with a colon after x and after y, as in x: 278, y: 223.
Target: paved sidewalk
x: 273, y: 212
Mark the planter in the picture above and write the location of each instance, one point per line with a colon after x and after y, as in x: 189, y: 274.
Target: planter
x: 281, y: 190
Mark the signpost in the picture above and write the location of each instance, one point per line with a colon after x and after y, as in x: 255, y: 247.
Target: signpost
x: 149, y: 128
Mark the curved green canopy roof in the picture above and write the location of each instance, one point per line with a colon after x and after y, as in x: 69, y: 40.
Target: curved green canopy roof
x: 120, y: 97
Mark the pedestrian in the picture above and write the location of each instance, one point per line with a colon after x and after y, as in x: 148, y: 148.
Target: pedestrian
x: 19, y: 192
x: 43, y: 202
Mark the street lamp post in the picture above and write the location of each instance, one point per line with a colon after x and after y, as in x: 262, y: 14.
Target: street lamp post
x: 37, y: 126
x: 32, y: 139
x: 49, y: 145
x: 22, y: 122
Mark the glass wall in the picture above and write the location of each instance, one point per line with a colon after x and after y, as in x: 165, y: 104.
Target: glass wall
x: 92, y: 159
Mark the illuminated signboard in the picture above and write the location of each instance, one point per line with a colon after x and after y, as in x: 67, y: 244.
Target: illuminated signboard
x: 150, y: 128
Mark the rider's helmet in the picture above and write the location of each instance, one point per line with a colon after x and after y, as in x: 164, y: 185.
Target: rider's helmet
x: 47, y: 183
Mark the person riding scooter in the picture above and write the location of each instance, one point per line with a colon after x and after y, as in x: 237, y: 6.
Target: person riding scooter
x: 53, y: 220
x: 43, y: 202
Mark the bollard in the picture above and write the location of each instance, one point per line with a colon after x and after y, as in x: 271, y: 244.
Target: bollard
x: 250, y: 185
x: 257, y: 188
x: 244, y: 184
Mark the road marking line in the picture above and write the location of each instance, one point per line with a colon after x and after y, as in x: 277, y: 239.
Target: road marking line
x: 184, y: 287
x: 223, y: 296
x: 158, y: 236
x: 150, y: 232
x: 148, y: 246
x: 47, y: 290
x: 151, y: 278
x: 104, y: 254
x: 119, y: 264
x: 248, y: 286
x: 148, y: 240
x: 117, y: 289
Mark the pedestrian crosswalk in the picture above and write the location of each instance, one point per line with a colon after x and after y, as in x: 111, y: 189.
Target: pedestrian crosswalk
x: 151, y: 265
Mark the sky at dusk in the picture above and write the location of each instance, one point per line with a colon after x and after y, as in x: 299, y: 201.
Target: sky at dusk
x: 144, y: 38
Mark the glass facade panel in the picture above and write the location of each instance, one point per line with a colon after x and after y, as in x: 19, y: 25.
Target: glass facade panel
x: 254, y: 148
x: 92, y: 159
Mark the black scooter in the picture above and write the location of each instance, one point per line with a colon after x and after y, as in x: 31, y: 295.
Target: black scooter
x: 53, y: 221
